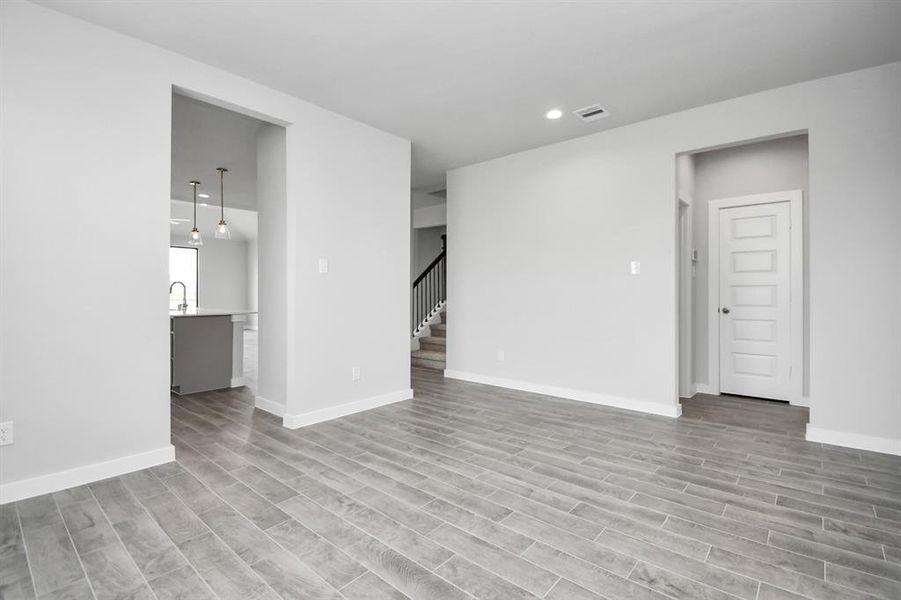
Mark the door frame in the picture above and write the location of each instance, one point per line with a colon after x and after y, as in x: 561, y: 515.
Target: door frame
x: 796, y: 291
x: 685, y: 300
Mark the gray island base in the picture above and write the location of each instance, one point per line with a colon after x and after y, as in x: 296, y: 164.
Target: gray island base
x: 206, y: 349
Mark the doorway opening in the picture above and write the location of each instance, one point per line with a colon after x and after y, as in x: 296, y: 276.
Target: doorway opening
x: 227, y: 207
x: 742, y: 285
x: 428, y: 283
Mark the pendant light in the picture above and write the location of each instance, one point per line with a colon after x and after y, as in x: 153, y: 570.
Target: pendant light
x: 194, y: 238
x: 222, y: 232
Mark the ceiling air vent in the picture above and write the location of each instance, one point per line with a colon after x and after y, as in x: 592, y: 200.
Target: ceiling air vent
x: 591, y: 113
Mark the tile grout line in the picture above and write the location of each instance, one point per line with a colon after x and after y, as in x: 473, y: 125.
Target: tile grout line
x: 350, y: 523
x: 119, y: 537
x: 152, y: 519
x: 394, y: 548
x: 15, y: 508
x: 71, y: 541
x: 224, y: 543
x: 708, y: 552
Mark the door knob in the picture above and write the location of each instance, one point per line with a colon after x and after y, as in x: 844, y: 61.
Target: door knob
x: 724, y: 310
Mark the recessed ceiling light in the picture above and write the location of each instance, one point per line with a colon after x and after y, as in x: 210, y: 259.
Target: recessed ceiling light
x: 203, y: 195
x: 554, y: 113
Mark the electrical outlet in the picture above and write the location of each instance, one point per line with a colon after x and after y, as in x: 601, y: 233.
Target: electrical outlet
x: 635, y: 267
x: 323, y: 265
x: 500, y: 356
x: 6, y: 433
x: 355, y: 373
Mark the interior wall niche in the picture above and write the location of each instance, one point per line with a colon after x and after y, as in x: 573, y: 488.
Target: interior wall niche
x: 772, y: 165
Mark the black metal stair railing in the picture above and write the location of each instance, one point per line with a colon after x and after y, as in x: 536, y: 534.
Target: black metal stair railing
x: 429, y: 289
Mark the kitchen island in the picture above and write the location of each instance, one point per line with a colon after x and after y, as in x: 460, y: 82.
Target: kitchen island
x: 206, y: 349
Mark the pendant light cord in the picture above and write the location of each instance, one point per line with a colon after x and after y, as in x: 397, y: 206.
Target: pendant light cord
x: 221, y: 194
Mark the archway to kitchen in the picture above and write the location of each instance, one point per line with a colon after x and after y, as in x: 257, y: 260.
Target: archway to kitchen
x: 227, y: 255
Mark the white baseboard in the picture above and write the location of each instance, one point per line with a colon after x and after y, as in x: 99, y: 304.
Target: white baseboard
x: 644, y: 406
x: 854, y: 440
x: 237, y: 381
x: 692, y: 390
x: 269, y: 406
x: 342, y: 410
x: 61, y: 480
x: 704, y: 388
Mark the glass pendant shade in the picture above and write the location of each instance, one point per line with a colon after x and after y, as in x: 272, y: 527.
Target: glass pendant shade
x: 222, y: 232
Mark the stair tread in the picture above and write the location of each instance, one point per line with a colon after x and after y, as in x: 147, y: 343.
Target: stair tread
x: 429, y: 354
x: 439, y: 326
x: 433, y: 340
x: 432, y: 365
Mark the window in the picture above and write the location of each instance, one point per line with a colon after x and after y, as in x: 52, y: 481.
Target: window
x: 183, y: 267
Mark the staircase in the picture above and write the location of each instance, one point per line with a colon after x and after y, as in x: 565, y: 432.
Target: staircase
x: 429, y: 294
x: 431, y: 353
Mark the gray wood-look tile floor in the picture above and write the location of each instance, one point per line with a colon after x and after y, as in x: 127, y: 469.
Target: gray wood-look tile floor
x: 470, y: 491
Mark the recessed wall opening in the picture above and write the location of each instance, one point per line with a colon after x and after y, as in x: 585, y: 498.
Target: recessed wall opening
x: 226, y: 225
x: 742, y: 288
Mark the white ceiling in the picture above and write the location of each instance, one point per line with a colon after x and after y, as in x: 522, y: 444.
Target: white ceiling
x: 468, y: 81
x: 205, y: 137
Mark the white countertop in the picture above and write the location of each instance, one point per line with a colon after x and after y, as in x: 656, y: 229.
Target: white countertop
x: 209, y: 312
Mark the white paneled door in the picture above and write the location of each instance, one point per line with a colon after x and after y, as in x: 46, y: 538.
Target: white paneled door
x: 755, y: 300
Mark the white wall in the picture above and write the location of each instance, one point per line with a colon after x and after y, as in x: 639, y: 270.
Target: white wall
x: 222, y: 272
x: 542, y: 240
x: 272, y: 271
x: 252, y: 282
x: 426, y: 247
x: 86, y: 112
x: 758, y: 168
x: 430, y: 216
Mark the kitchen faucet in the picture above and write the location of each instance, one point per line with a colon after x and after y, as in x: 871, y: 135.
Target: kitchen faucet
x: 183, y: 307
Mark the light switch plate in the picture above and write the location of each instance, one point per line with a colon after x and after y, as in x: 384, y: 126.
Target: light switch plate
x: 323, y: 265
x: 635, y: 267
x: 355, y: 373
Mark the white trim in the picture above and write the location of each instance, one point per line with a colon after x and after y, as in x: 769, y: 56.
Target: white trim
x: 795, y: 200
x: 854, y: 440
x: 61, y: 480
x: 269, y: 406
x: 704, y: 388
x: 342, y: 410
x: 684, y: 301
x: 238, y: 381
x: 654, y: 408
